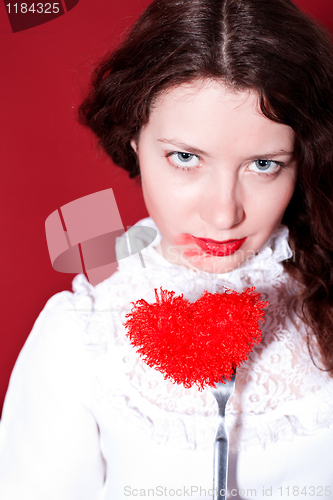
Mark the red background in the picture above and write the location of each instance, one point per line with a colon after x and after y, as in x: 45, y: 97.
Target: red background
x: 47, y: 159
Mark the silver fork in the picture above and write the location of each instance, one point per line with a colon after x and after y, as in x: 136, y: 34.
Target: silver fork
x: 222, y: 394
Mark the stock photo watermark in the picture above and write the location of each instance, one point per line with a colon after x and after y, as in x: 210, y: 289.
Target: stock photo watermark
x: 206, y: 261
x: 198, y: 491
x: 87, y: 236
x: 184, y: 491
x: 26, y: 15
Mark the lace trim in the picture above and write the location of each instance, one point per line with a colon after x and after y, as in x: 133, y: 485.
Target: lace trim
x: 279, y: 393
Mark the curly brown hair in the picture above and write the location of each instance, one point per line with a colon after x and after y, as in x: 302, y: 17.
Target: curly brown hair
x: 268, y: 46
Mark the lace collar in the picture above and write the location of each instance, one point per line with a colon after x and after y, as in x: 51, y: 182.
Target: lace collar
x: 274, y: 386
x: 268, y: 259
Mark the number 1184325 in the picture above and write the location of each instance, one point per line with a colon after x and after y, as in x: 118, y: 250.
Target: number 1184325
x: 34, y: 8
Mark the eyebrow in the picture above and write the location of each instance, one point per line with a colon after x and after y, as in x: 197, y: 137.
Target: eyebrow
x: 182, y: 145
x: 200, y: 152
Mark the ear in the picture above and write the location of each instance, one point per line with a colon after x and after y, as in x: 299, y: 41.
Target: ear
x: 134, y: 146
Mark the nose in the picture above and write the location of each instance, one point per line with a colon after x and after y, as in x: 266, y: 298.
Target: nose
x: 222, y: 203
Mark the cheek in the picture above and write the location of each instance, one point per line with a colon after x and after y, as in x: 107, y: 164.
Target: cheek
x: 156, y: 193
x: 161, y: 192
x: 267, y: 205
x: 280, y: 201
x: 160, y: 198
x: 286, y: 193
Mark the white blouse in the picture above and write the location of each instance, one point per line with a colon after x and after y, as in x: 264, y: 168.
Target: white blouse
x: 84, y: 418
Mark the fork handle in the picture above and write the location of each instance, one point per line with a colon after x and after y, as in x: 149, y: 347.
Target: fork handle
x: 220, y: 461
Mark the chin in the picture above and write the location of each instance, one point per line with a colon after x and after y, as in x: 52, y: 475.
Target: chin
x: 211, y: 264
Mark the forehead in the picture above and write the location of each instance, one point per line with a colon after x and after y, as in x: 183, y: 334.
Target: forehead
x: 204, y: 89
x: 210, y: 115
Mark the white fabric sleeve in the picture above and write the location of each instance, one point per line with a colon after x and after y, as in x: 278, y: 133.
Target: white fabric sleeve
x: 49, y: 440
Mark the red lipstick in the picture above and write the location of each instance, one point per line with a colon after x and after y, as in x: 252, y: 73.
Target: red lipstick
x: 219, y: 248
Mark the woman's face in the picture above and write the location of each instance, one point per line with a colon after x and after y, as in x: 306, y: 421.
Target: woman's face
x: 217, y: 175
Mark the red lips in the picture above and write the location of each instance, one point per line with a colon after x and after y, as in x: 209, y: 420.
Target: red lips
x: 219, y: 248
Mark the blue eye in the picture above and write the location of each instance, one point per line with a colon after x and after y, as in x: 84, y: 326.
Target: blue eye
x: 185, y: 157
x: 265, y: 166
x: 183, y: 160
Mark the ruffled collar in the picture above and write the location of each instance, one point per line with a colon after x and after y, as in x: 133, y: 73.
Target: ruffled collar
x: 268, y: 259
x: 269, y: 400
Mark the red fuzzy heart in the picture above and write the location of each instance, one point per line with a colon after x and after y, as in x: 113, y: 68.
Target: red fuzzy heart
x: 196, y: 343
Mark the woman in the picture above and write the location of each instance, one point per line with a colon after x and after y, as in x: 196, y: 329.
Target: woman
x: 224, y: 109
